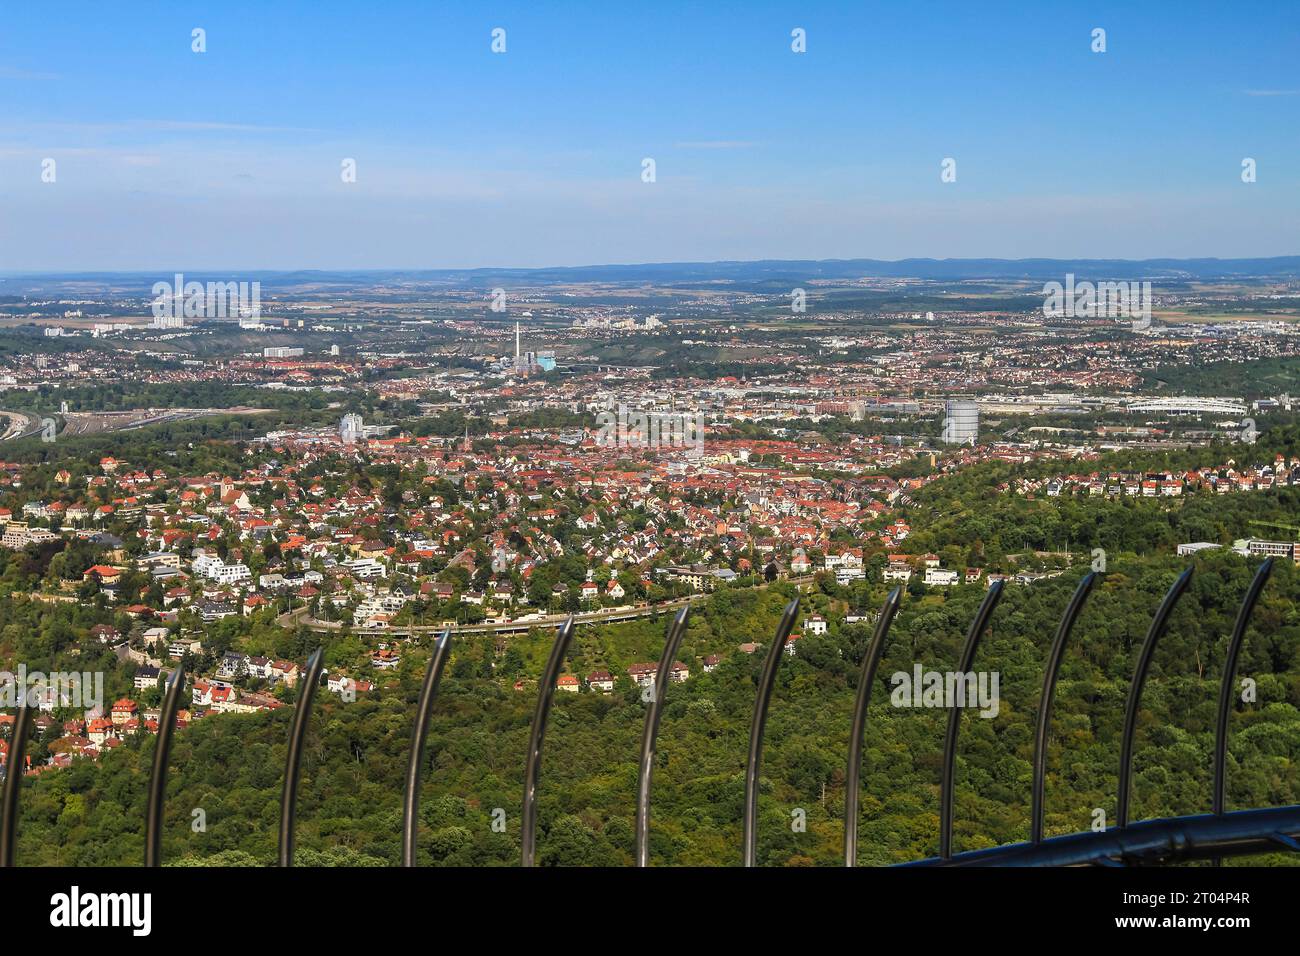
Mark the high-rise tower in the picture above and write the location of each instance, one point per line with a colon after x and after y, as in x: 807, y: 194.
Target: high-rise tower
x: 961, y: 423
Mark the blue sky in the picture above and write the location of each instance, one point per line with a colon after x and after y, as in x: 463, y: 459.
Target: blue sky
x: 230, y: 159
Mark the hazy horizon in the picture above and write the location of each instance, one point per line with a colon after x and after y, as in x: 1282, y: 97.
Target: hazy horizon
x: 954, y: 268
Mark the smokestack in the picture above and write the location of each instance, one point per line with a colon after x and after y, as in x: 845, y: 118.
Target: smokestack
x: 516, y: 343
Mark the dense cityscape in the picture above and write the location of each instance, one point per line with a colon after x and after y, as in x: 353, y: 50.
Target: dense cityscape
x: 216, y: 495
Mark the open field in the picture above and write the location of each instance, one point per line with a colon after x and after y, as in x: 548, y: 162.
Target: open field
x: 1182, y: 317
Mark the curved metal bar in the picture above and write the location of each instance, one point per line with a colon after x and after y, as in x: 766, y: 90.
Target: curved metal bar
x: 533, y: 769
x: 1045, y: 704
x: 411, y: 807
x: 868, y: 677
x: 13, y: 780
x: 1158, y: 625
x: 297, y: 734
x: 158, y: 781
x: 954, y: 716
x: 675, y: 632
x: 1149, y: 842
x: 765, y: 685
x: 1229, y: 677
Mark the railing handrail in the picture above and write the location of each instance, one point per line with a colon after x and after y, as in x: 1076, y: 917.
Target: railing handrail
x: 419, y: 735
x: 1225, y: 685
x: 293, y: 762
x: 676, y: 630
x: 1049, y: 696
x: 852, y: 775
x: 966, y: 664
x: 158, y: 780
x: 533, y: 767
x: 1159, y: 841
x: 1158, y: 625
x: 767, y: 681
x: 13, y: 781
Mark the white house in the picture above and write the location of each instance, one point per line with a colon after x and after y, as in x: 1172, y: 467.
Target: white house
x: 940, y: 577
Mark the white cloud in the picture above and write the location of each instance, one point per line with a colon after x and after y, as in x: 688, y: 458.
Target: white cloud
x: 14, y: 73
x: 716, y: 144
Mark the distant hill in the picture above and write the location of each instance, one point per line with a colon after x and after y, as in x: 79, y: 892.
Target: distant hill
x: 760, y: 271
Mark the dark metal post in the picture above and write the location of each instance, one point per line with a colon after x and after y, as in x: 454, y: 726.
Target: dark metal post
x: 410, y: 809
x: 1158, y: 625
x: 1229, y: 678
x: 13, y: 780
x: 675, y: 632
x: 297, y: 734
x: 954, y: 716
x: 1049, y: 696
x: 158, y: 781
x: 868, y: 677
x: 765, y: 685
x: 533, y: 769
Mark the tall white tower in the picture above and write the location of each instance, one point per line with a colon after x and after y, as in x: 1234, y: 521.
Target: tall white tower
x: 351, y: 428
x: 516, y: 343
x: 961, y: 423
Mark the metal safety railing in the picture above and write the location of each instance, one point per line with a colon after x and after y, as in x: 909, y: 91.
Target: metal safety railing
x: 646, y: 767
x: 766, y: 683
x: 1209, y: 836
x: 411, y: 805
x: 954, y: 716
